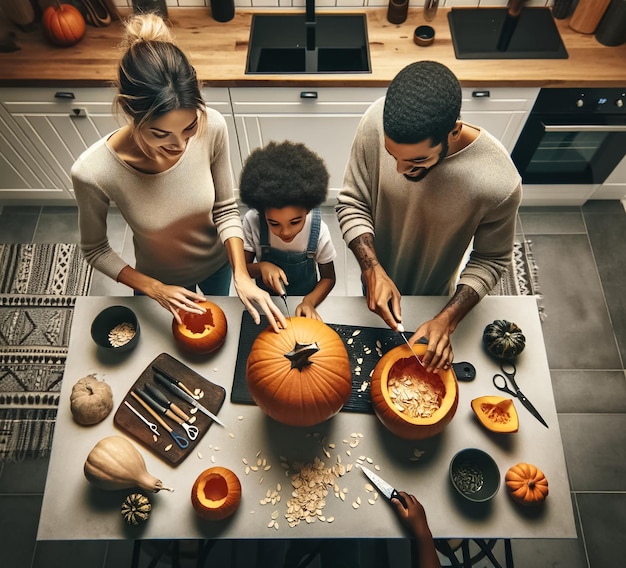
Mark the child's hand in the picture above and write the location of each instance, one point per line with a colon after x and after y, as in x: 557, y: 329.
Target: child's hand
x: 306, y: 310
x: 273, y: 277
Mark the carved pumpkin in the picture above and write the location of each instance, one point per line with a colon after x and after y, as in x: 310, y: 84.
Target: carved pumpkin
x: 496, y: 413
x: 216, y: 493
x: 411, y: 402
x: 503, y: 339
x: 91, y: 400
x: 64, y: 24
x: 300, y: 376
x: 201, y: 333
x: 526, y: 484
x: 136, y: 509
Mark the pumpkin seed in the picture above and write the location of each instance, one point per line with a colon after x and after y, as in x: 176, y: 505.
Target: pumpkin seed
x: 356, y: 332
x: 247, y: 470
x: 330, y: 519
x: 199, y: 455
x: 168, y: 448
x: 371, y: 501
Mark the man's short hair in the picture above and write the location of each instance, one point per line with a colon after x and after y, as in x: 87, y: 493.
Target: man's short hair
x: 423, y: 102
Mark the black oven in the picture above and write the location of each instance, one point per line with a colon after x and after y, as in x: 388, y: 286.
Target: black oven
x: 572, y: 136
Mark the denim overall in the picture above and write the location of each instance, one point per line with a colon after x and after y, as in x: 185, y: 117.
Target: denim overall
x: 300, y: 267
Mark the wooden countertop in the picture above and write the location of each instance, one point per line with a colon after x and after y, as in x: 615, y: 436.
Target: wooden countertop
x: 218, y: 51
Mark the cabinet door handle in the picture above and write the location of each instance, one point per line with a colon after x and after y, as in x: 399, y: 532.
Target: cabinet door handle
x: 481, y: 94
x: 308, y: 94
x: 78, y: 113
x: 64, y: 95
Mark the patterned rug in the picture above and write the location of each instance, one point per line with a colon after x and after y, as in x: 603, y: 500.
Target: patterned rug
x: 38, y: 288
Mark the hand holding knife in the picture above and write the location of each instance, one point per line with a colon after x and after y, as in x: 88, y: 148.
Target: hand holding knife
x: 381, y: 485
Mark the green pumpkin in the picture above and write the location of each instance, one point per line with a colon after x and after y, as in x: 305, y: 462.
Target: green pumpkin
x: 503, y: 339
x: 136, y: 509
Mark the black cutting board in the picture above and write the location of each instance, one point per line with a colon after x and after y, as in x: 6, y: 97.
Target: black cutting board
x: 358, y: 341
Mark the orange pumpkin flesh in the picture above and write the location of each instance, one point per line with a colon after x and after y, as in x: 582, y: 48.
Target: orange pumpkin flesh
x: 64, y: 24
x: 398, y: 362
x: 201, y: 333
x: 300, y: 376
x: 496, y: 413
x: 216, y: 493
x: 527, y: 484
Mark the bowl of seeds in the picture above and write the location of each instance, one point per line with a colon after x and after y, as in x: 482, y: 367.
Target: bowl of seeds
x: 116, y: 328
x: 475, y: 475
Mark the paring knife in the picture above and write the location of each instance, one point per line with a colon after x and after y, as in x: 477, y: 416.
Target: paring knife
x: 284, y: 297
x: 401, y: 332
x: 174, y: 385
x: 387, y: 490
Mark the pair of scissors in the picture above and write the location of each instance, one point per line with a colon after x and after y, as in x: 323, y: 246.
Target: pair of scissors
x: 502, y: 382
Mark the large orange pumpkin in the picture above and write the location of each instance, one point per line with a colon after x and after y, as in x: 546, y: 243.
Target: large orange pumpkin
x: 216, y: 493
x: 526, y: 483
x: 201, y: 333
x: 300, y: 376
x: 64, y: 24
x: 412, y: 416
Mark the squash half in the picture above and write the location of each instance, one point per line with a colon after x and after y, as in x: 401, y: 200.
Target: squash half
x: 496, y: 413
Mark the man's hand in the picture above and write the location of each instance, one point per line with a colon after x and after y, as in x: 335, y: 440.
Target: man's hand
x: 439, y: 353
x: 383, y: 298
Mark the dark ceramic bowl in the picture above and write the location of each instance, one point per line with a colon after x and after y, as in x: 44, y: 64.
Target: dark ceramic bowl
x: 116, y: 328
x: 423, y: 35
x: 475, y: 475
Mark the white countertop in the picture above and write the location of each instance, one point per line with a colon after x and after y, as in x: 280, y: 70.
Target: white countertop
x: 90, y: 513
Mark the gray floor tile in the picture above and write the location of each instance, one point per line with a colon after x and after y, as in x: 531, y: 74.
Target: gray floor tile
x: 69, y: 554
x: 578, y: 391
x: 595, y: 451
x: 552, y: 223
x: 604, y: 526
x: 575, y: 305
x: 18, y: 227
x: 603, y: 206
x: 19, y: 517
x: 28, y: 476
x: 58, y: 225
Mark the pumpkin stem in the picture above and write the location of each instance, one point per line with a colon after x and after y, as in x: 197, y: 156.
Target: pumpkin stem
x: 531, y: 484
x: 299, y: 355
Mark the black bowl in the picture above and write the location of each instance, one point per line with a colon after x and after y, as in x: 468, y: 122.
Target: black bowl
x: 116, y: 328
x: 475, y: 475
x: 423, y: 35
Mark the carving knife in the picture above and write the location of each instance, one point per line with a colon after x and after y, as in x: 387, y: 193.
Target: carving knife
x: 173, y: 385
x: 401, y: 332
x: 284, y: 297
x: 387, y: 490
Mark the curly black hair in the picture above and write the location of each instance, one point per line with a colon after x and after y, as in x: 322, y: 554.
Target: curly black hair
x: 283, y: 174
x: 423, y: 102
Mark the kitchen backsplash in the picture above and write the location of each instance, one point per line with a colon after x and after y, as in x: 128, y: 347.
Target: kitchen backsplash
x: 338, y: 3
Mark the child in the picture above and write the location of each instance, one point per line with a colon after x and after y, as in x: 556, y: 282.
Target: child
x: 284, y: 184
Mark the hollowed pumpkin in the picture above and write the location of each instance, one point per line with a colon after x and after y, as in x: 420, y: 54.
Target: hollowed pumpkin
x: 300, y: 376
x: 496, y: 413
x: 526, y: 484
x: 216, y: 493
x: 201, y: 333
x: 409, y: 422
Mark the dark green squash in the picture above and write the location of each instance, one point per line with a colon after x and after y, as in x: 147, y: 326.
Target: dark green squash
x: 136, y: 509
x: 503, y: 339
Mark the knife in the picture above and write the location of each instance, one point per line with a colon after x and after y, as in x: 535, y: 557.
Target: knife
x: 174, y: 386
x: 157, y: 395
x: 387, y: 490
x: 284, y: 297
x: 401, y: 332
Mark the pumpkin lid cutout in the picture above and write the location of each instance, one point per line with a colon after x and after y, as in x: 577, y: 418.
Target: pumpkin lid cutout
x: 91, y: 400
x: 201, y: 334
x: 526, y: 484
x: 503, y: 339
x: 411, y: 402
x: 496, y: 413
x: 216, y: 493
x: 300, y: 376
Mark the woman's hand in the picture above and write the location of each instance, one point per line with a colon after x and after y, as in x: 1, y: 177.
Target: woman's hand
x: 175, y: 298
x: 250, y: 295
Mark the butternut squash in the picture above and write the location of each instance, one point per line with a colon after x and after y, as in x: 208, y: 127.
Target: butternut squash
x: 114, y: 463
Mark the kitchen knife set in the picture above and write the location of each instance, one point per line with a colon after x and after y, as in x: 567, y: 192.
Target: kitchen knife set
x: 154, y: 398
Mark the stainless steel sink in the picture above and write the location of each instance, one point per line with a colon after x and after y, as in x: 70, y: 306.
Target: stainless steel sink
x: 299, y: 43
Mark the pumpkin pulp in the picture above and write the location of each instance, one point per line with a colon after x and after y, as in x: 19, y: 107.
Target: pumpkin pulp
x: 213, y: 491
x: 198, y: 323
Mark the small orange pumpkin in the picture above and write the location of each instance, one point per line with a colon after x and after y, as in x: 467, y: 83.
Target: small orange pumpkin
x: 526, y: 484
x: 201, y: 333
x: 300, y: 376
x: 401, y: 418
x: 216, y: 493
x: 64, y: 24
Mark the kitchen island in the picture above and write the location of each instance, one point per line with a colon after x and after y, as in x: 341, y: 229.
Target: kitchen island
x: 219, y: 50
x: 419, y: 467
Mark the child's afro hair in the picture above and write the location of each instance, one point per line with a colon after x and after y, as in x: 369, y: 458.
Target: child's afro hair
x: 283, y: 174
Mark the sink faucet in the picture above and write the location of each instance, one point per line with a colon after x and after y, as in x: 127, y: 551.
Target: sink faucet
x: 310, y: 23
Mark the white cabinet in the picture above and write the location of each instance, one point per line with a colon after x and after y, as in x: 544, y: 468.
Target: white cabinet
x: 615, y: 185
x: 324, y: 119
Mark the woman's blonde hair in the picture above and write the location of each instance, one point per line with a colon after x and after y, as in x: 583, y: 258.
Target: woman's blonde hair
x: 154, y: 76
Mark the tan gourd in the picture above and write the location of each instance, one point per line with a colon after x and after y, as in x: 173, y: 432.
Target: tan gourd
x: 91, y: 400
x: 114, y: 463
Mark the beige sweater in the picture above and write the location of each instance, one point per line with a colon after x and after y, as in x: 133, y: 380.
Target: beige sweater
x: 179, y: 218
x: 423, y: 229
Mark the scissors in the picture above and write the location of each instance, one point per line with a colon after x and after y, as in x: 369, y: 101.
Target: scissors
x: 502, y: 382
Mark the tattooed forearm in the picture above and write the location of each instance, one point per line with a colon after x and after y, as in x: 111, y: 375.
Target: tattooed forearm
x: 464, y: 299
x: 364, y: 252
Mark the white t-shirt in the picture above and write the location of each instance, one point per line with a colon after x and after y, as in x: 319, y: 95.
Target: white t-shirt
x: 324, y: 254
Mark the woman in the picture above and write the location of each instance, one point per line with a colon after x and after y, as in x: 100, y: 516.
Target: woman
x: 168, y: 171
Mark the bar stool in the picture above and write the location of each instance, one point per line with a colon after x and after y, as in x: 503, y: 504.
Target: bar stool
x: 449, y: 549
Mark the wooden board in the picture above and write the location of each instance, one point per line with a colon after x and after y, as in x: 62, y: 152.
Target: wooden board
x: 127, y: 421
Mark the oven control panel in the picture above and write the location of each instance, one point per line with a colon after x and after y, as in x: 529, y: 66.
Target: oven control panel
x: 581, y: 101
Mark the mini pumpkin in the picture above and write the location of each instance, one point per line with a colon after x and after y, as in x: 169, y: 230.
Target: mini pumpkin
x: 496, y: 413
x: 216, y: 493
x: 201, y: 333
x: 64, y: 24
x: 91, y: 400
x: 392, y: 398
x: 503, y: 339
x: 526, y: 484
x: 136, y: 509
x: 300, y: 376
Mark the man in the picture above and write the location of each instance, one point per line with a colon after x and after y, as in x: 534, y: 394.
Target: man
x: 422, y: 188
